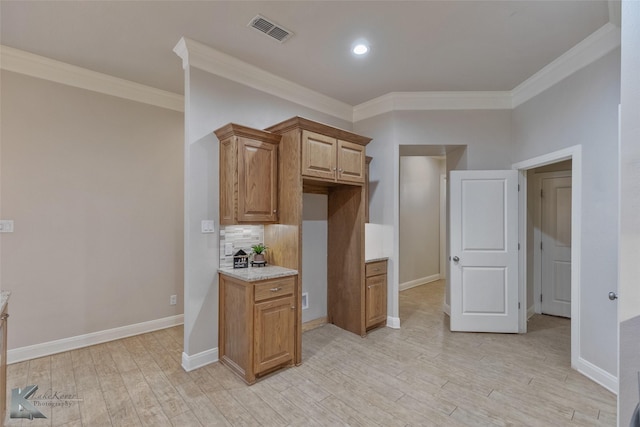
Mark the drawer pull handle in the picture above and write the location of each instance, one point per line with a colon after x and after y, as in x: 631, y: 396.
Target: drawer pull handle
x: 275, y: 289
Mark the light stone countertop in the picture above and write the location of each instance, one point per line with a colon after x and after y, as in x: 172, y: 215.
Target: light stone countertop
x: 4, y: 299
x: 376, y: 259
x: 254, y: 274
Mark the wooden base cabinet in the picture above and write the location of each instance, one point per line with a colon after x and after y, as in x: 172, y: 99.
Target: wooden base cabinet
x: 376, y: 294
x: 257, y: 325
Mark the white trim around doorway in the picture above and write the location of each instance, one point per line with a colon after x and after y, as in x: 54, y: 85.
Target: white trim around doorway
x: 575, y: 154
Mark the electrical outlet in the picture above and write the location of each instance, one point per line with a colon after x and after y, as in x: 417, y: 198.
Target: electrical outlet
x: 6, y: 226
x: 173, y: 299
x: 228, y: 249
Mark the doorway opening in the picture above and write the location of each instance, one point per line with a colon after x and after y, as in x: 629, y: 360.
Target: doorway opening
x: 549, y: 240
x: 451, y: 157
x: 527, y: 169
x: 422, y: 220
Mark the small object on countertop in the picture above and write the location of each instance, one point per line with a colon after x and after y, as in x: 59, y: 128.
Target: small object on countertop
x: 258, y: 263
x: 240, y: 259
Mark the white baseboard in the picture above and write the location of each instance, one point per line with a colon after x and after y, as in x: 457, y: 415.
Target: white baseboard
x: 446, y: 308
x: 393, y: 322
x: 417, y: 282
x: 198, y: 360
x: 599, y: 375
x: 79, y: 341
x: 531, y: 311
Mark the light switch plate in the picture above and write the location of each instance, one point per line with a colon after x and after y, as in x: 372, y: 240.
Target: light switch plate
x: 6, y: 226
x: 207, y: 226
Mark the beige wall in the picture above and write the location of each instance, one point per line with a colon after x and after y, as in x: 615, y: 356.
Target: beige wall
x: 419, y: 217
x: 94, y: 184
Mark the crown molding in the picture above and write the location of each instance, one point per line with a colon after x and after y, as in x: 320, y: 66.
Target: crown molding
x: 29, y: 64
x: 198, y: 55
x: 592, y: 48
x: 417, y: 101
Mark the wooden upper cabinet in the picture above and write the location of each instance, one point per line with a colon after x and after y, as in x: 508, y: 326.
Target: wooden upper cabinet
x: 327, y: 154
x: 332, y: 159
x: 248, y: 175
x: 351, y: 162
x: 318, y: 155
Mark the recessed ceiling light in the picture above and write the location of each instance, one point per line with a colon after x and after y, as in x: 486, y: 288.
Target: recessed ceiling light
x: 360, y: 49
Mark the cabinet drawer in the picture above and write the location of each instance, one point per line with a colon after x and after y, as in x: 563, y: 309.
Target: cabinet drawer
x: 375, y: 268
x: 274, y: 288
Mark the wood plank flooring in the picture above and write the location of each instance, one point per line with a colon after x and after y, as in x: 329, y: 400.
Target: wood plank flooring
x: 420, y: 375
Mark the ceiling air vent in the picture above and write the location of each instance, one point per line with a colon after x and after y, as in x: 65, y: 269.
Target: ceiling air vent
x: 270, y: 28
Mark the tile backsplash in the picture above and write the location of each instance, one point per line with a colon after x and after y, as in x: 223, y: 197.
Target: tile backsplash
x: 241, y: 237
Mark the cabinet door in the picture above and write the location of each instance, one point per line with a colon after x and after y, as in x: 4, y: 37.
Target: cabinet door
x: 274, y: 333
x: 376, y: 300
x: 228, y: 171
x: 318, y: 155
x: 257, y: 181
x: 351, y: 160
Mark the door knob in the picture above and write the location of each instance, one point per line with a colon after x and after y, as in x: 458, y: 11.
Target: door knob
x: 613, y: 296
x: 456, y: 259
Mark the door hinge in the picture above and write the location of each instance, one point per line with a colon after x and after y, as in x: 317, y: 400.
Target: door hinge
x: 540, y: 245
x: 518, y: 187
x: 518, y: 306
x: 540, y: 297
x: 518, y: 246
x: 541, y: 193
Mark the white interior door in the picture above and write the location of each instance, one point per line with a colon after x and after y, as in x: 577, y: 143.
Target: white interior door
x: 555, y: 228
x: 484, y: 251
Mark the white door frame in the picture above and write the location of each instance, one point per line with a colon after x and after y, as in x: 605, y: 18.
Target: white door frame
x: 443, y: 226
x: 537, y: 235
x: 575, y: 154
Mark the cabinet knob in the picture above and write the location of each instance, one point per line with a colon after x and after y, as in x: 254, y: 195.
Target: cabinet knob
x: 293, y: 307
x: 340, y: 170
x: 274, y: 211
x: 334, y: 169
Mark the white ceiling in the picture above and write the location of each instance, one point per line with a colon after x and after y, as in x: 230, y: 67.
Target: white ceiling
x: 415, y: 46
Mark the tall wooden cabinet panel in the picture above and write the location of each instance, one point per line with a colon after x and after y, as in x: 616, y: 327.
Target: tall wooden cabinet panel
x: 366, y: 187
x: 248, y: 175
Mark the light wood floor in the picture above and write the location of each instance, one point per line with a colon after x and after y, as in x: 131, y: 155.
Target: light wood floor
x: 420, y: 375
